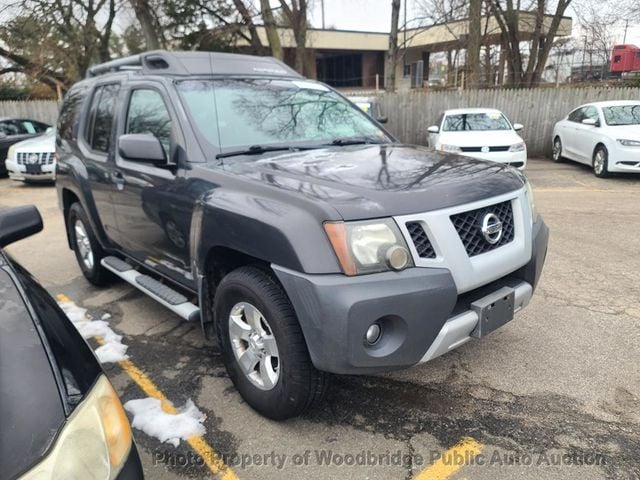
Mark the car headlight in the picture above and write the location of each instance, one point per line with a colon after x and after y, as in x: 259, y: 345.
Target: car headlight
x: 532, y: 203
x: 11, y: 153
x: 368, y: 246
x: 450, y: 148
x: 629, y: 143
x: 93, y: 444
x: 518, y: 147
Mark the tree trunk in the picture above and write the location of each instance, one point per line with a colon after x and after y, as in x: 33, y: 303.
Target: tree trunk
x: 103, y: 50
x: 392, y: 53
x: 473, y: 44
x: 297, y: 16
x: 271, y: 29
x: 247, y: 19
x: 152, y: 36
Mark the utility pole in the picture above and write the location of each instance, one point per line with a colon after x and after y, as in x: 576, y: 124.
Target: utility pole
x: 626, y: 27
x: 322, y: 8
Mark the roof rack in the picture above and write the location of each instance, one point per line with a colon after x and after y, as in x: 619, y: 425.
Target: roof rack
x: 162, y: 62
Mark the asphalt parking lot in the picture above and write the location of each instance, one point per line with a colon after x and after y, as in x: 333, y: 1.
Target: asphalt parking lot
x: 553, y: 394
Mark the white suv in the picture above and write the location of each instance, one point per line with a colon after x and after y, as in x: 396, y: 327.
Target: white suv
x: 33, y: 159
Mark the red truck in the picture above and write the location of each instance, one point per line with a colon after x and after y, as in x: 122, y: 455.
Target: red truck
x: 625, y: 59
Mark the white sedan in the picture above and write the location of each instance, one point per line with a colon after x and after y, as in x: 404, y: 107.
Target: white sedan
x: 481, y: 133
x: 604, y: 135
x: 33, y: 160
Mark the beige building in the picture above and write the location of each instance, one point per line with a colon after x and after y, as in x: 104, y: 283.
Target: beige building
x: 352, y: 59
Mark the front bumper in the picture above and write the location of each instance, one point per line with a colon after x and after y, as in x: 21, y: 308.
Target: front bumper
x: 419, y: 308
x: 19, y: 172
x: 515, y: 159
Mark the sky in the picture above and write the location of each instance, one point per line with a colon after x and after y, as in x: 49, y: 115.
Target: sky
x: 375, y: 16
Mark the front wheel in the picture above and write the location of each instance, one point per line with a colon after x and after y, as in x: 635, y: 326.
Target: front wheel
x: 88, y: 251
x: 601, y: 162
x: 557, y: 149
x: 263, y: 347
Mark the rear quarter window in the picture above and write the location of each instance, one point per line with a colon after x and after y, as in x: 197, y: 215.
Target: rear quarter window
x: 69, y: 117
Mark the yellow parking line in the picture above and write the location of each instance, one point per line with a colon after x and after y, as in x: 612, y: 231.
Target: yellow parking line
x: 445, y: 467
x: 198, y: 444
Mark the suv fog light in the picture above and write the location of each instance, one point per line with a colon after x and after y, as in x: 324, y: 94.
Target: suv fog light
x: 374, y: 332
x: 397, y: 257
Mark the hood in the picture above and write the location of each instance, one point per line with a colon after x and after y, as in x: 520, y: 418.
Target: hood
x: 39, y: 144
x: 371, y: 181
x: 626, y: 132
x: 493, y: 138
x: 30, y: 404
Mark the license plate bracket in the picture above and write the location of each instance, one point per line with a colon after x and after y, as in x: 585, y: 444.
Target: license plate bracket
x: 493, y: 311
x: 33, y: 168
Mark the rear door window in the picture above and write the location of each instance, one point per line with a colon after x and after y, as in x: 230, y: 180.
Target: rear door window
x: 100, y: 128
x: 69, y: 117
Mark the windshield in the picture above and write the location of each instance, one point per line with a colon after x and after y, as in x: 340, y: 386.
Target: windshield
x: 475, y: 122
x: 243, y: 113
x: 622, y: 115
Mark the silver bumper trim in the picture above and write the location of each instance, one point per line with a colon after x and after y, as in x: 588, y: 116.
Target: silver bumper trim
x: 456, y: 331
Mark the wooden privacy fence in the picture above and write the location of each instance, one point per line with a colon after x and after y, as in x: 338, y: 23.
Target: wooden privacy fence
x: 411, y: 113
x: 43, y: 110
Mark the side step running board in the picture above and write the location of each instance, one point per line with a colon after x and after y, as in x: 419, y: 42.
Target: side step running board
x: 160, y: 292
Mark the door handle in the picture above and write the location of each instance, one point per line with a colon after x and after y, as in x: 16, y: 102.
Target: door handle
x: 118, y: 178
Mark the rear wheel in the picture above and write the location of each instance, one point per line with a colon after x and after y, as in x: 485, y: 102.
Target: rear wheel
x: 601, y: 162
x: 263, y: 347
x: 88, y: 251
x: 557, y: 149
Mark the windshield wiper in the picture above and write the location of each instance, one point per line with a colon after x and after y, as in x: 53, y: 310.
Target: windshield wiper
x: 341, y: 142
x: 255, y: 150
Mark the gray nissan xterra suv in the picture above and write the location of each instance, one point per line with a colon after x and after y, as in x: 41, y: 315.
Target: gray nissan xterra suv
x: 272, y: 210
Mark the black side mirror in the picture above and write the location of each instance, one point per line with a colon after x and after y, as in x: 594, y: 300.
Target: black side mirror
x: 18, y: 223
x: 382, y: 119
x: 142, y: 147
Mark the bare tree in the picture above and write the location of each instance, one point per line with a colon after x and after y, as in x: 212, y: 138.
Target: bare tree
x: 151, y: 29
x: 508, y: 17
x: 247, y: 20
x: 296, y: 14
x: 392, y: 52
x: 56, y: 42
x: 473, y: 43
x: 271, y: 29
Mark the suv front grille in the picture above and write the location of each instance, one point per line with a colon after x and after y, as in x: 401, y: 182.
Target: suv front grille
x: 45, y: 158
x: 469, y: 227
x: 420, y: 240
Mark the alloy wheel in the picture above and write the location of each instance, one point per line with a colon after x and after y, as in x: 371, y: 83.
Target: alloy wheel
x: 254, y: 345
x: 84, y: 244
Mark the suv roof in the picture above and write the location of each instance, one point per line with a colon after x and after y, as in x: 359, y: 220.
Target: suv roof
x: 162, y: 62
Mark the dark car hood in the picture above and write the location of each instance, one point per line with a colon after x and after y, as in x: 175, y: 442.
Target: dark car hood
x: 30, y: 403
x: 369, y: 181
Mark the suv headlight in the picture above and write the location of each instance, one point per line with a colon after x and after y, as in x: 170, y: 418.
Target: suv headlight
x: 450, y: 148
x: 93, y: 444
x: 629, y: 143
x: 518, y: 147
x: 11, y: 153
x: 368, y: 246
x: 532, y: 203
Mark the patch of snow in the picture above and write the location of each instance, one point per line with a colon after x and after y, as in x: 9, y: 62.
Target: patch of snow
x: 149, y: 417
x: 112, y: 350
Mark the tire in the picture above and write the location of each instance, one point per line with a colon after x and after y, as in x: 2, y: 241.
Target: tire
x: 600, y: 162
x: 557, y: 150
x: 292, y: 384
x: 78, y: 225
